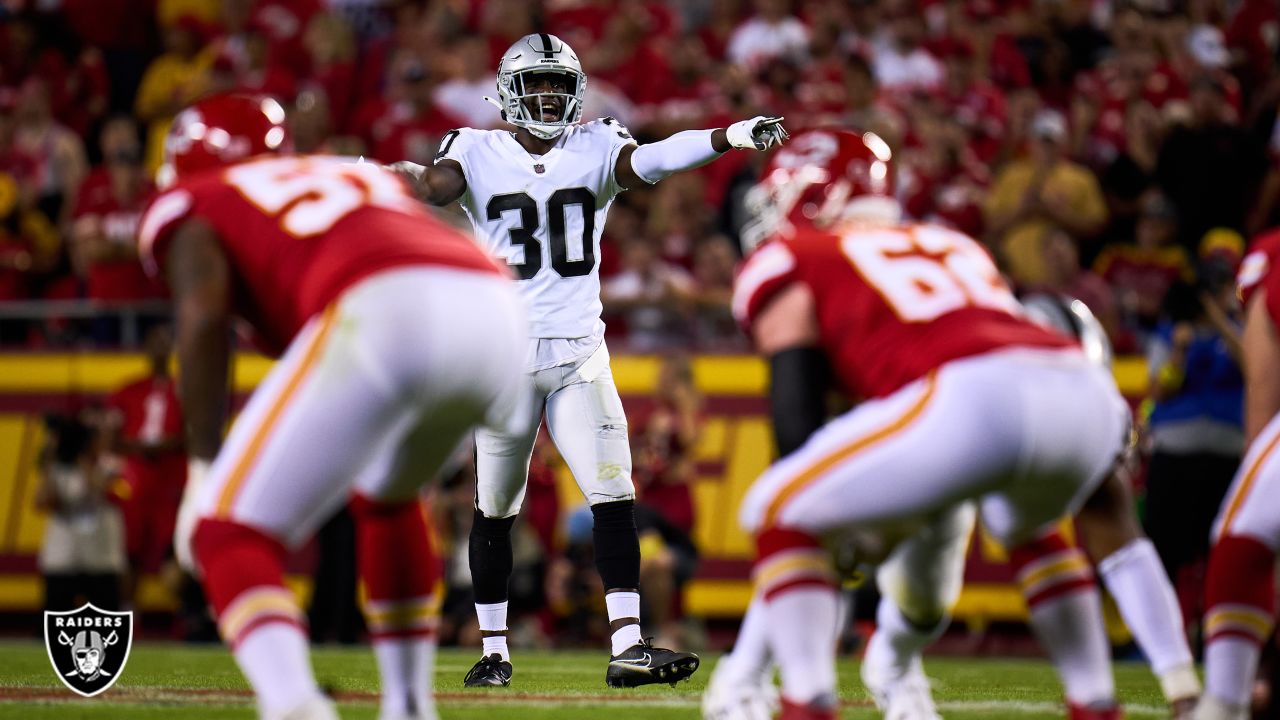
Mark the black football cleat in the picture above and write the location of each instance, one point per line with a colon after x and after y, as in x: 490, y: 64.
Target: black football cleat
x: 644, y: 664
x: 489, y: 671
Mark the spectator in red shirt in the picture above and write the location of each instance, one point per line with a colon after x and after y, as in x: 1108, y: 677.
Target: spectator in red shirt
x: 865, y: 109
x: 148, y: 430
x: 714, y: 263
x: 73, y: 69
x: 246, y: 62
x: 941, y: 179
x: 29, y: 250
x: 502, y: 22
x: 773, y: 32
x: 1064, y: 276
x: 977, y: 105
x: 29, y: 242
x: 683, y: 97
x: 722, y: 20
x: 627, y: 56
x: 1253, y: 36
x: 1141, y: 273
x: 664, y: 472
x: 405, y: 124
x: 901, y: 62
x: 107, y: 210
x: 331, y: 49
x: 285, y: 22
x: 55, y: 153
x: 471, y: 79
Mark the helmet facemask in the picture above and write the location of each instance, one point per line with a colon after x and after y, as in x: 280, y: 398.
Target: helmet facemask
x: 544, y: 114
x: 771, y: 202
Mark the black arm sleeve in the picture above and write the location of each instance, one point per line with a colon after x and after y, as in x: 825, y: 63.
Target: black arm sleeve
x: 799, y: 380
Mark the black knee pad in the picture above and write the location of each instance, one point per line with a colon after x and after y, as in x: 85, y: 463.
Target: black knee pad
x: 489, y: 553
x: 617, y: 544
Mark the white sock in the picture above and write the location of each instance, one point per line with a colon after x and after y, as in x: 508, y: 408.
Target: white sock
x: 749, y: 659
x: 801, y: 625
x: 897, y: 644
x: 496, y: 645
x: 406, y: 666
x: 1070, y: 629
x: 623, y: 605
x: 1136, y: 580
x: 493, y: 618
x: 275, y: 659
x: 1230, y: 667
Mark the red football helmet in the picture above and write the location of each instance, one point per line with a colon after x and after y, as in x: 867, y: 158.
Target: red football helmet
x: 221, y: 130
x: 819, y: 178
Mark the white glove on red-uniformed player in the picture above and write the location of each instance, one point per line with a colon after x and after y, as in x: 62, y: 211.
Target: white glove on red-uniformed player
x: 185, y: 527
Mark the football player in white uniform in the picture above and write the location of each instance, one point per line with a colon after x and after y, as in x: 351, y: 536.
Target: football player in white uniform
x: 538, y: 196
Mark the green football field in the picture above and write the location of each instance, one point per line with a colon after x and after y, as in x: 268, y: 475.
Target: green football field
x: 175, y: 681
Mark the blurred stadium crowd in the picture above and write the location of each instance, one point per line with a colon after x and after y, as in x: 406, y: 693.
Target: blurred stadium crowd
x: 1116, y: 152
x: 1110, y: 150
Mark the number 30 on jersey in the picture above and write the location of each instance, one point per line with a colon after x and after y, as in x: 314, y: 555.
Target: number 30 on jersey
x: 524, y: 234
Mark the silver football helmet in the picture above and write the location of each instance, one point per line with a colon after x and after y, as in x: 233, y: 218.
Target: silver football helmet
x: 545, y: 114
x: 1071, y: 317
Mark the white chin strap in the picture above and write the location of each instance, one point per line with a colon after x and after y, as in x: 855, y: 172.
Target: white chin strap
x: 539, y: 130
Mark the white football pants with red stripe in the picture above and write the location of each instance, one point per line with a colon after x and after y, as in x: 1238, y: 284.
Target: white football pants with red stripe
x: 1028, y: 433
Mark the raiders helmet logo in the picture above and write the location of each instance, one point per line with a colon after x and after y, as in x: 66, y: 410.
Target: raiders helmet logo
x: 88, y: 647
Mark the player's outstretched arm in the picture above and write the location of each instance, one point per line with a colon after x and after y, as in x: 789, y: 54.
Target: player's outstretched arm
x: 438, y: 184
x: 693, y: 148
x: 200, y: 281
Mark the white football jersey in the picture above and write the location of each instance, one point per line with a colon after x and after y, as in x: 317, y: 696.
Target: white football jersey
x: 544, y: 215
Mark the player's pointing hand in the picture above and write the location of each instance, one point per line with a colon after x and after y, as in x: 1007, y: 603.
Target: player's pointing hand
x: 759, y: 133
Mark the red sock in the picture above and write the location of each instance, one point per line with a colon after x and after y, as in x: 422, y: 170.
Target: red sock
x: 796, y: 584
x: 1240, y: 591
x: 792, y: 711
x: 787, y: 559
x: 1049, y: 567
x: 399, y: 567
x: 243, y: 578
x: 1077, y: 712
x: 1065, y: 612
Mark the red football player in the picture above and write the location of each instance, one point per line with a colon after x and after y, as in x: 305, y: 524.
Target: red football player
x: 1240, y: 589
x: 397, y: 335
x: 967, y: 408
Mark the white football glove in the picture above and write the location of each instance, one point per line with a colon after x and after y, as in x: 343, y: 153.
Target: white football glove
x: 758, y: 133
x: 188, y: 515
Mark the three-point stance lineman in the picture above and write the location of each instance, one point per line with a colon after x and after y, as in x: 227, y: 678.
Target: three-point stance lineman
x: 538, y: 196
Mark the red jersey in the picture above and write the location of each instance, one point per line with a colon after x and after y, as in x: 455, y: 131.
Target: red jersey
x: 98, y: 206
x: 892, y: 303
x: 1257, y: 272
x: 298, y: 231
x: 396, y: 131
x: 149, y: 413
